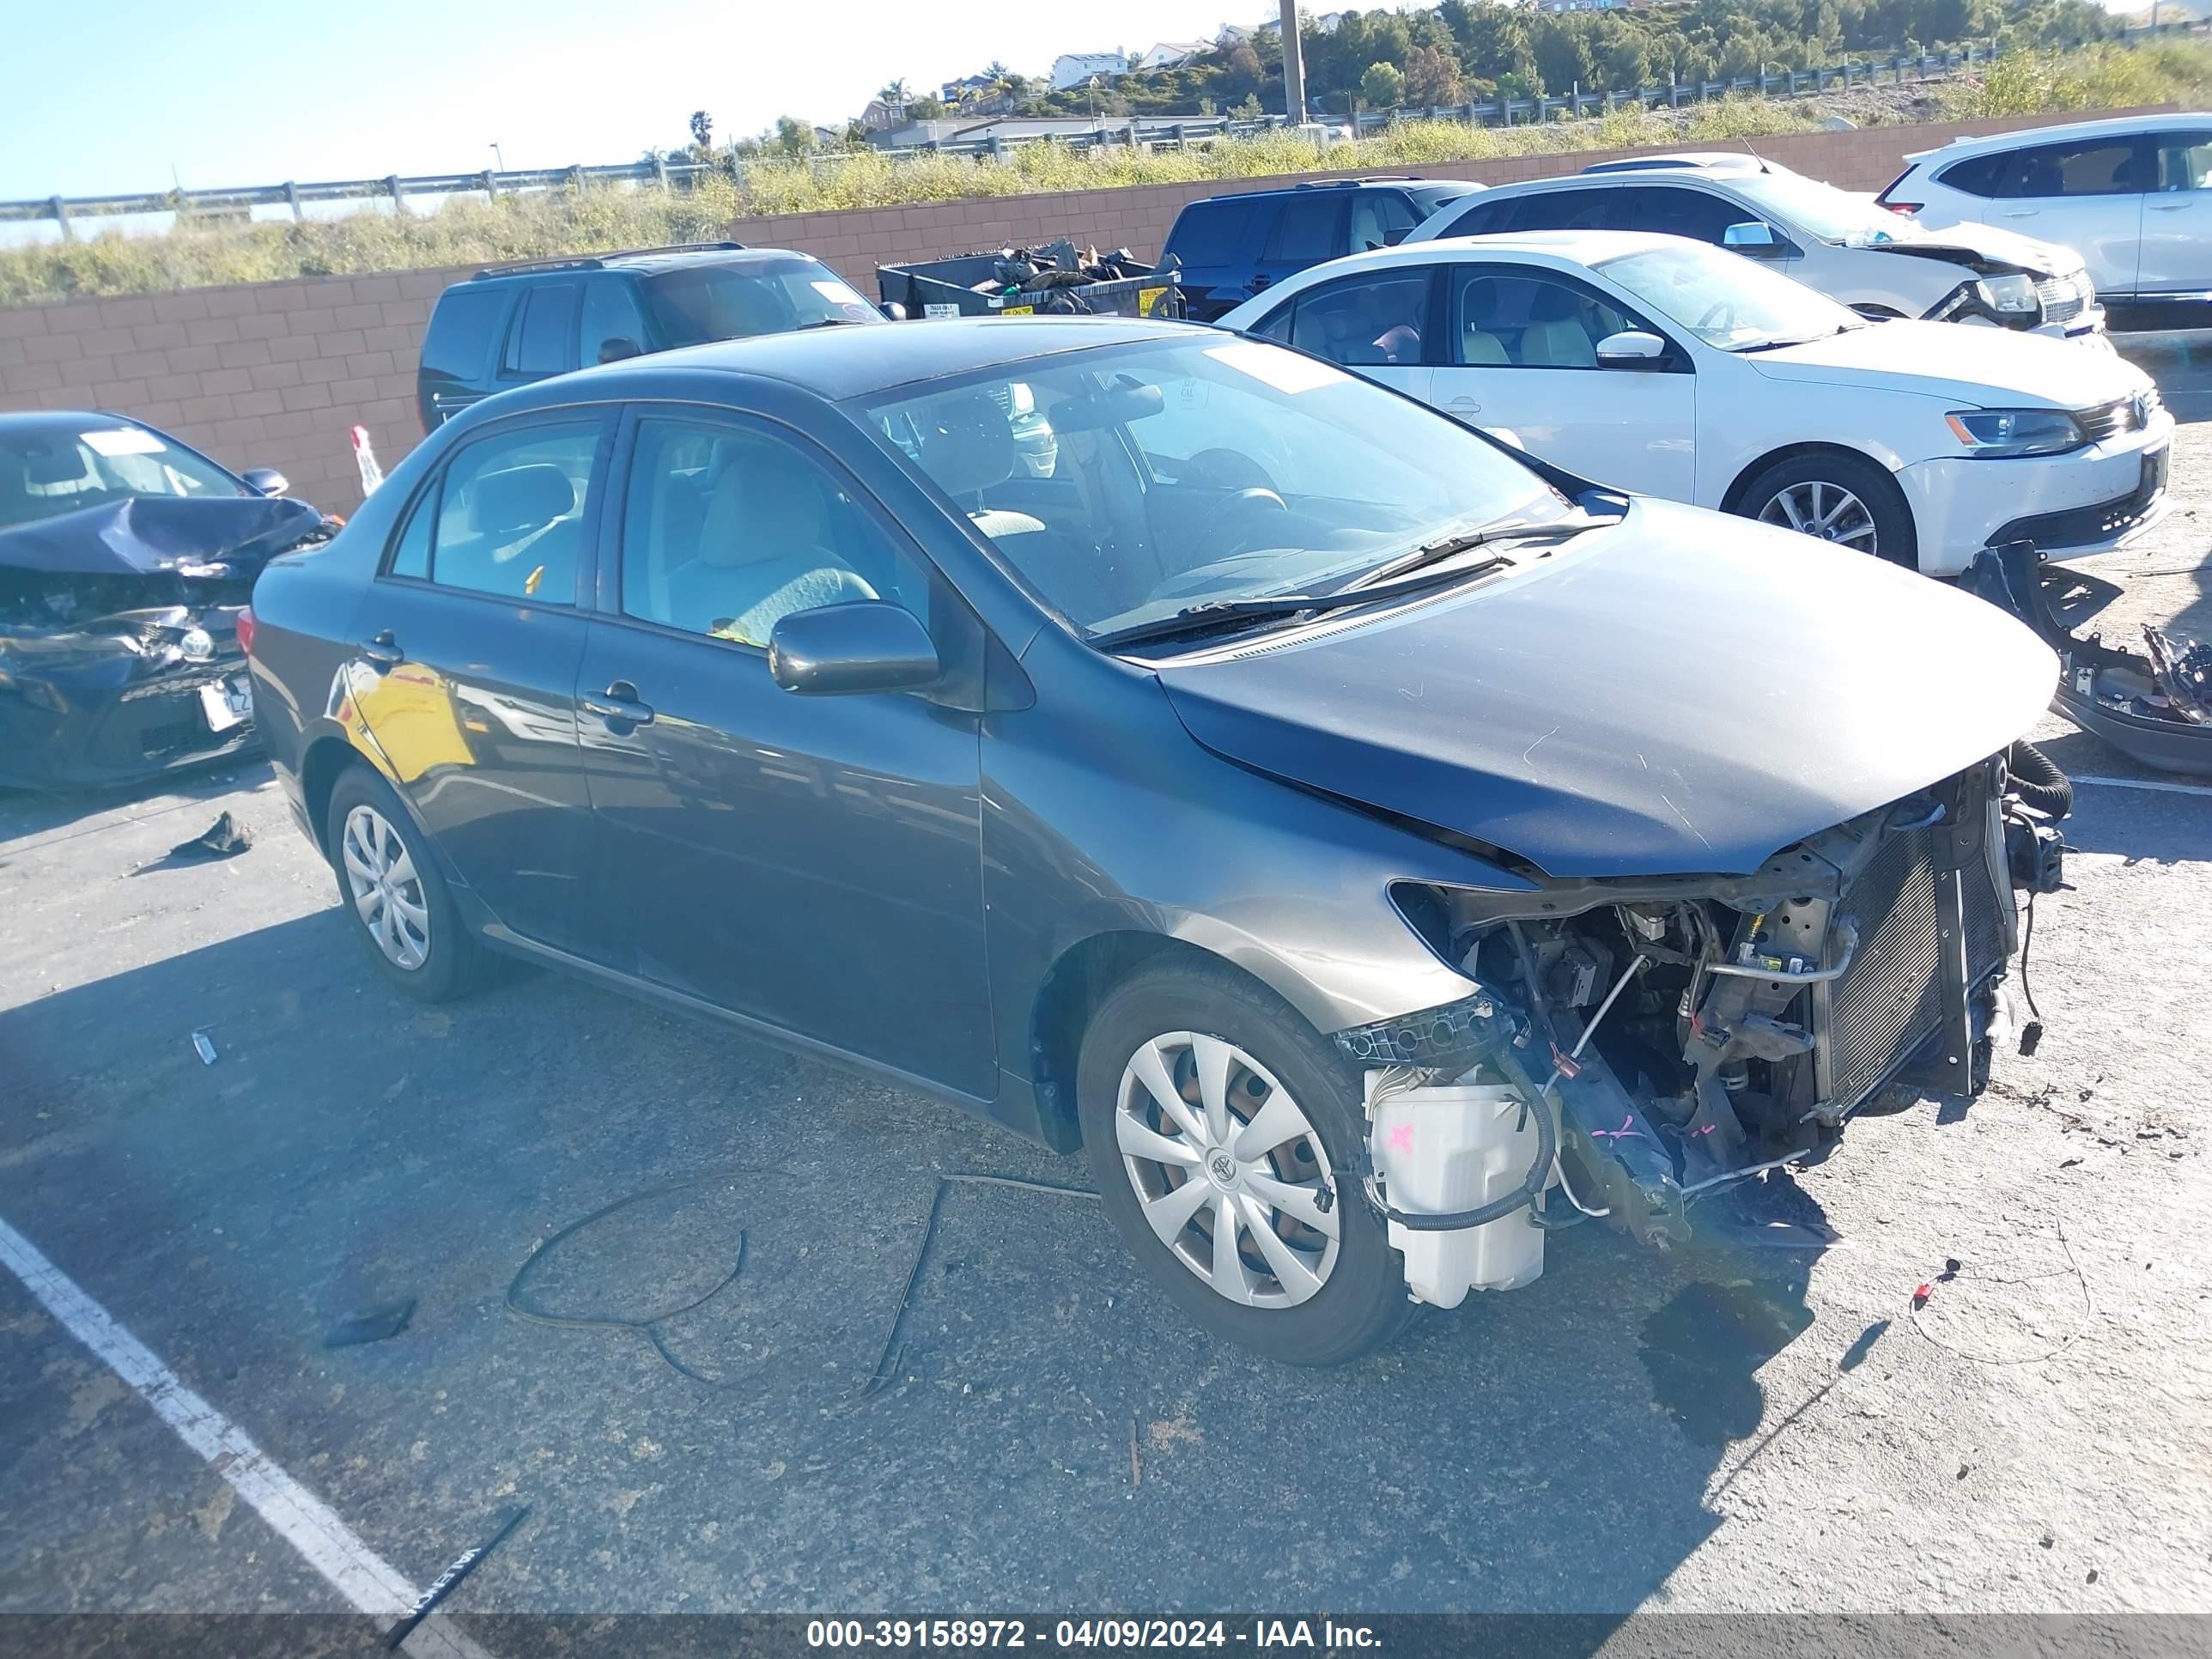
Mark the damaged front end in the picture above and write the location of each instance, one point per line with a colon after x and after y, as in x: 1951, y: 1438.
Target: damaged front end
x: 1651, y: 1039
x: 120, y: 656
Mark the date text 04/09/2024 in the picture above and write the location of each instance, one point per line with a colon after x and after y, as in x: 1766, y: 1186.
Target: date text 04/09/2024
x: 1259, y: 1636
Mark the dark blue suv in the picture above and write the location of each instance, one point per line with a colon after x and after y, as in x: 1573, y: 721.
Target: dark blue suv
x: 1232, y: 247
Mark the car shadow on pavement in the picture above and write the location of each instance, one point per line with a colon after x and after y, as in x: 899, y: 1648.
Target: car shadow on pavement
x: 1045, y: 1428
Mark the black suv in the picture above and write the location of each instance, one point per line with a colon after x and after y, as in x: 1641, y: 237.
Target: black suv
x: 1232, y: 247
x: 515, y: 324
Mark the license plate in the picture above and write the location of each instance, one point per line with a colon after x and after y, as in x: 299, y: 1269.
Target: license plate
x: 2154, y: 466
x: 227, y: 704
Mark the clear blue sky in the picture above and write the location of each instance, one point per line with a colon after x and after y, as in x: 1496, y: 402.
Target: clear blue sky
x: 109, y: 96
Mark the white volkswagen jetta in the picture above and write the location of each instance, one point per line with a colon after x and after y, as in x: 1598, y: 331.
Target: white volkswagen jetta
x: 1668, y: 367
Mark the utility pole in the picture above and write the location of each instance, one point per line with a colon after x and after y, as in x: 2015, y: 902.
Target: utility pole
x: 1294, y: 69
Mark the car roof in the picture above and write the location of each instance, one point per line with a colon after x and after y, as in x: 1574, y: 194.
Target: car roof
x: 1580, y: 247
x: 1687, y: 160
x: 1313, y: 186
x: 2023, y: 138
x: 838, y: 364
x: 26, y: 419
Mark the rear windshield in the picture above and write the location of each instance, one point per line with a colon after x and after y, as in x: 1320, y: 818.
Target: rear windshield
x: 762, y: 296
x: 459, y: 344
x: 46, y: 470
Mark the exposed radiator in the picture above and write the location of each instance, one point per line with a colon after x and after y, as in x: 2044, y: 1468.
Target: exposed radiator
x: 1891, y: 1002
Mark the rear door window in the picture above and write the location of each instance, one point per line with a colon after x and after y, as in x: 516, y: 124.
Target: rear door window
x: 1216, y: 233
x: 2095, y: 167
x: 458, y: 345
x: 1379, y: 218
x: 1487, y: 217
x: 1566, y: 210
x: 1364, y: 321
x: 2184, y: 160
x: 1977, y: 175
x: 507, y: 517
x: 543, y: 338
x: 1306, y: 233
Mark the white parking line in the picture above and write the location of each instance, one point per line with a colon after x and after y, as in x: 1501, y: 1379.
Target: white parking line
x: 2147, y: 783
x: 372, y: 1584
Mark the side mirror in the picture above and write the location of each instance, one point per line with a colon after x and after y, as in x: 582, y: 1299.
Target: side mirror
x: 265, y: 481
x: 617, y: 346
x: 1631, y: 348
x: 1755, y: 238
x: 1395, y: 237
x: 862, y: 644
x: 894, y: 310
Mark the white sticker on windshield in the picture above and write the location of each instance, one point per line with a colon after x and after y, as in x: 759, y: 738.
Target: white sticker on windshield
x: 124, y: 440
x: 837, y: 292
x: 1285, y: 371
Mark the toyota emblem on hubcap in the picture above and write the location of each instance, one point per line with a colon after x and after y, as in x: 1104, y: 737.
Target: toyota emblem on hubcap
x: 1224, y: 1169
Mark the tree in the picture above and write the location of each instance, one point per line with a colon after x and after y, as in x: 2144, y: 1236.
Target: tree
x: 702, y: 131
x: 1563, y: 56
x: 793, y: 136
x: 1383, y: 86
x: 1431, y: 77
x: 894, y: 92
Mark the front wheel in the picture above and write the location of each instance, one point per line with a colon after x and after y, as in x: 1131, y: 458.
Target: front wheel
x: 1223, y: 1134
x: 1844, y: 499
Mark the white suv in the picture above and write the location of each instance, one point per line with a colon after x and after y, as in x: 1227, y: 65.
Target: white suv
x: 2134, y: 195
x: 1878, y: 262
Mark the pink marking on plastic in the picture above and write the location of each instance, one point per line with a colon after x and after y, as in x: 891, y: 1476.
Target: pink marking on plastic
x: 1626, y: 1131
x: 1704, y: 1129
x: 1401, y: 1138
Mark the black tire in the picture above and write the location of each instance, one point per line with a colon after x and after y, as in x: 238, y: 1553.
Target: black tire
x: 1896, y: 538
x: 1363, y: 1300
x: 453, y: 963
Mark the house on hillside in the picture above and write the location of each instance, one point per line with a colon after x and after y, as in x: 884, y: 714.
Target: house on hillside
x: 1168, y: 54
x: 1072, y: 68
x: 879, y: 116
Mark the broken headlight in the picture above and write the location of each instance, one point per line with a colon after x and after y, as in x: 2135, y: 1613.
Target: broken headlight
x: 2012, y: 296
x: 2000, y: 433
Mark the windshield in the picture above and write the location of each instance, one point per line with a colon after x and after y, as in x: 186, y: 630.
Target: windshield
x: 50, y: 469
x: 1823, y: 211
x: 734, y: 302
x: 1129, y: 483
x: 1727, y: 300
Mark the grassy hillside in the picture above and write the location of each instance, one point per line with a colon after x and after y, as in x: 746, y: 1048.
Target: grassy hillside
x: 465, y: 231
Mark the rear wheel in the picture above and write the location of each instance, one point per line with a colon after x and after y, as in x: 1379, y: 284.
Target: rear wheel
x: 1838, y: 497
x: 1222, y: 1133
x: 400, y: 907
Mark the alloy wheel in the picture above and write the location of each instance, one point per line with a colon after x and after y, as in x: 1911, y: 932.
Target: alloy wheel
x: 387, y: 893
x: 1228, y: 1169
x: 1825, y: 510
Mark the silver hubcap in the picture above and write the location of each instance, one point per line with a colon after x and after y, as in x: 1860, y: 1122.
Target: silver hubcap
x: 1229, y: 1170
x: 388, y: 894
x: 1826, y: 510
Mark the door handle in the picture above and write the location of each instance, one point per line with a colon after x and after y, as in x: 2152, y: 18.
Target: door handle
x: 2165, y: 207
x: 1257, y: 283
x: 1465, y: 403
x: 383, y: 651
x: 2020, y: 212
x: 619, y: 705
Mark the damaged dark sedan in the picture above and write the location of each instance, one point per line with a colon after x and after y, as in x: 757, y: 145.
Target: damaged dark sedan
x: 124, y: 560
x: 1372, y: 847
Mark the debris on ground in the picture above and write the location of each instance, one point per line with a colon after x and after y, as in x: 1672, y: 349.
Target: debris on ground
x: 376, y: 1325
x: 464, y: 1563
x: 226, y: 838
x: 204, y: 1045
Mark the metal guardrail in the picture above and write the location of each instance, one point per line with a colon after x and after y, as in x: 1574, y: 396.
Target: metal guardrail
x: 1131, y: 131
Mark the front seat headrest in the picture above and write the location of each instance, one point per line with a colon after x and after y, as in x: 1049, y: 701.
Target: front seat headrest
x: 967, y: 443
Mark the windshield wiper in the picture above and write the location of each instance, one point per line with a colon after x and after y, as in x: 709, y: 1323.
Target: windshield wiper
x: 1215, y: 616
x: 827, y: 322
x: 1451, y: 547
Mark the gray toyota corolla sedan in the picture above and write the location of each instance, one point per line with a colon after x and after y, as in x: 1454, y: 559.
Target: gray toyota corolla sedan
x: 1373, y: 847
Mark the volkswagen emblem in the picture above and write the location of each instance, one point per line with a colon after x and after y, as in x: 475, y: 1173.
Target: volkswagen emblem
x: 2142, y: 408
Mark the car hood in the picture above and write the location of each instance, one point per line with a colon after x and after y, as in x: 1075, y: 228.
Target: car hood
x: 1991, y: 368
x: 1986, y: 245
x: 1679, y: 693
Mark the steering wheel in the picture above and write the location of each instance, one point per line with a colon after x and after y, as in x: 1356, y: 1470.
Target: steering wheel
x: 1721, y: 316
x: 1243, y: 501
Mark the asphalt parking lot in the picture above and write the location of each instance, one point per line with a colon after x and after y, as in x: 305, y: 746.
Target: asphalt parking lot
x: 899, y: 1389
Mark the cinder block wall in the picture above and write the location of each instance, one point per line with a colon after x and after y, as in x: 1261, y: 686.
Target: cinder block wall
x: 275, y: 373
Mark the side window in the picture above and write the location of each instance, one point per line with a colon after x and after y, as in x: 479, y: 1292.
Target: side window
x: 1211, y: 233
x: 510, y: 515
x: 2101, y: 166
x: 1486, y: 217
x: 1276, y: 325
x: 1502, y: 320
x: 457, y: 346
x: 726, y: 531
x: 610, y: 313
x: 1377, y: 217
x: 412, y: 556
x: 1367, y: 321
x: 1305, y: 230
x: 1978, y: 175
x: 544, y: 337
x: 2184, y: 160
x: 1677, y: 210
x: 1566, y: 210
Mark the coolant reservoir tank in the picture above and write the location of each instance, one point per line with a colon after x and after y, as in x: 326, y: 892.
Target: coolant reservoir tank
x: 1451, y: 1147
